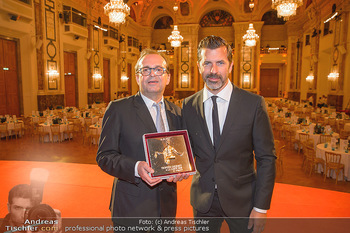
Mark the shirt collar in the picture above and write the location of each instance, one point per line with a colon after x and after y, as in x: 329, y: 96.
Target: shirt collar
x: 224, y: 94
x: 149, y: 103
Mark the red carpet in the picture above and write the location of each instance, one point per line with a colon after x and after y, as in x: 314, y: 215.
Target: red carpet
x: 82, y: 190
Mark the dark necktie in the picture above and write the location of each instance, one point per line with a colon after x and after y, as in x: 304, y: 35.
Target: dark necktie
x: 216, y: 125
x: 159, y: 119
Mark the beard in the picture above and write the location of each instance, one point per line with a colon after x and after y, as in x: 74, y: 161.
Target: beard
x: 216, y: 84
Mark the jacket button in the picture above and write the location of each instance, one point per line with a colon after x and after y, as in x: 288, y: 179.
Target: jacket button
x: 213, y: 179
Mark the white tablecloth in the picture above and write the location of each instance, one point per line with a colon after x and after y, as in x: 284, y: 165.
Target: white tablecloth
x: 10, y: 126
x: 315, y: 137
x: 63, y: 129
x: 345, y: 159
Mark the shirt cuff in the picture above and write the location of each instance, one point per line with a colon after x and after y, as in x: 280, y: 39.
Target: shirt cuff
x: 136, y: 172
x: 260, y: 210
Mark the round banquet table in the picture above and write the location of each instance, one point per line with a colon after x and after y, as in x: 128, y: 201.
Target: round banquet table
x: 11, y: 126
x: 345, y: 159
x: 63, y: 129
x: 315, y: 137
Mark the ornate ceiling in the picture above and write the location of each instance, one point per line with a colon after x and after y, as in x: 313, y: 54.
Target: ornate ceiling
x: 147, y: 12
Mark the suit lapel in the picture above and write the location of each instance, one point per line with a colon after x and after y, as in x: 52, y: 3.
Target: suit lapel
x: 232, y: 113
x: 201, y: 115
x: 143, y: 113
x: 170, y: 111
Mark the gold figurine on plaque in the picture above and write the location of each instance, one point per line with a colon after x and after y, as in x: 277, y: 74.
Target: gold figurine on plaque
x: 169, y: 152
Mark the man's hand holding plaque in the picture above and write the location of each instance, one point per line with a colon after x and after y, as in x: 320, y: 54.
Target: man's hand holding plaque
x: 144, y: 171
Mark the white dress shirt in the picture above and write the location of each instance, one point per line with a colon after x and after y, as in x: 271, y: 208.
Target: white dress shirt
x: 223, y: 102
x: 153, y: 111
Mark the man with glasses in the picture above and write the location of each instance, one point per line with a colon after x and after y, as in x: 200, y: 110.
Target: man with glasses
x: 229, y: 129
x: 19, y: 201
x: 121, y: 151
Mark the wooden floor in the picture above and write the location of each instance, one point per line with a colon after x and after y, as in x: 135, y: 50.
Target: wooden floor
x: 30, y: 149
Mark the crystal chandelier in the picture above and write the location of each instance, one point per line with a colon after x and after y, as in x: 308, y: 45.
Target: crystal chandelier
x: 175, y: 38
x: 286, y: 8
x: 117, y: 10
x: 250, y: 37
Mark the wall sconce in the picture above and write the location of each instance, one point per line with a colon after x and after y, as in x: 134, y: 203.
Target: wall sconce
x: 97, y: 78
x: 52, y: 79
x: 310, y: 79
x: 333, y: 77
x: 184, y: 80
x: 246, y: 80
x: 124, y: 77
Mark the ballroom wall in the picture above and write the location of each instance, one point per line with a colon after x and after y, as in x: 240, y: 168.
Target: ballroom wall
x: 42, y: 20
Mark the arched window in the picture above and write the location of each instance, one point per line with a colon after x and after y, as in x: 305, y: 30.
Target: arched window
x: 271, y: 18
x: 217, y: 18
x: 164, y: 22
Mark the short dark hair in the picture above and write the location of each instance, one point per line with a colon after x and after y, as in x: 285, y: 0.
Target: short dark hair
x: 20, y: 190
x: 213, y: 42
x: 146, y: 52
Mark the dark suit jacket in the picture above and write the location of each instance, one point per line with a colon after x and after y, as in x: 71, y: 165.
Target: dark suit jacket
x: 124, y: 123
x: 246, y: 130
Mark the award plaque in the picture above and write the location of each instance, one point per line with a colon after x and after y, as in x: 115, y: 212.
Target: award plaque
x: 169, y: 153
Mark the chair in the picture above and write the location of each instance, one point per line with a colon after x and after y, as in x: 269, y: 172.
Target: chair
x: 325, y: 138
x: 95, y: 136
x: 17, y: 129
x: 86, y: 136
x: 320, y: 119
x: 69, y: 131
x: 333, y: 123
x: 42, y: 133
x: 290, y: 137
x: 279, y: 126
x: 333, y: 162
x: 3, y: 130
x: 311, y: 160
x: 87, y: 122
x: 55, y: 131
x: 279, y: 160
x: 34, y: 129
x: 303, y: 137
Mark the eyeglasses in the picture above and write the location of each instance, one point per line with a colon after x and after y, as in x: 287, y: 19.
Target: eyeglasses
x: 157, y: 71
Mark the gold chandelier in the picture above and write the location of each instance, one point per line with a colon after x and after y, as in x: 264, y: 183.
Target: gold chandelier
x: 250, y: 37
x: 117, y: 11
x: 175, y: 38
x: 286, y: 8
